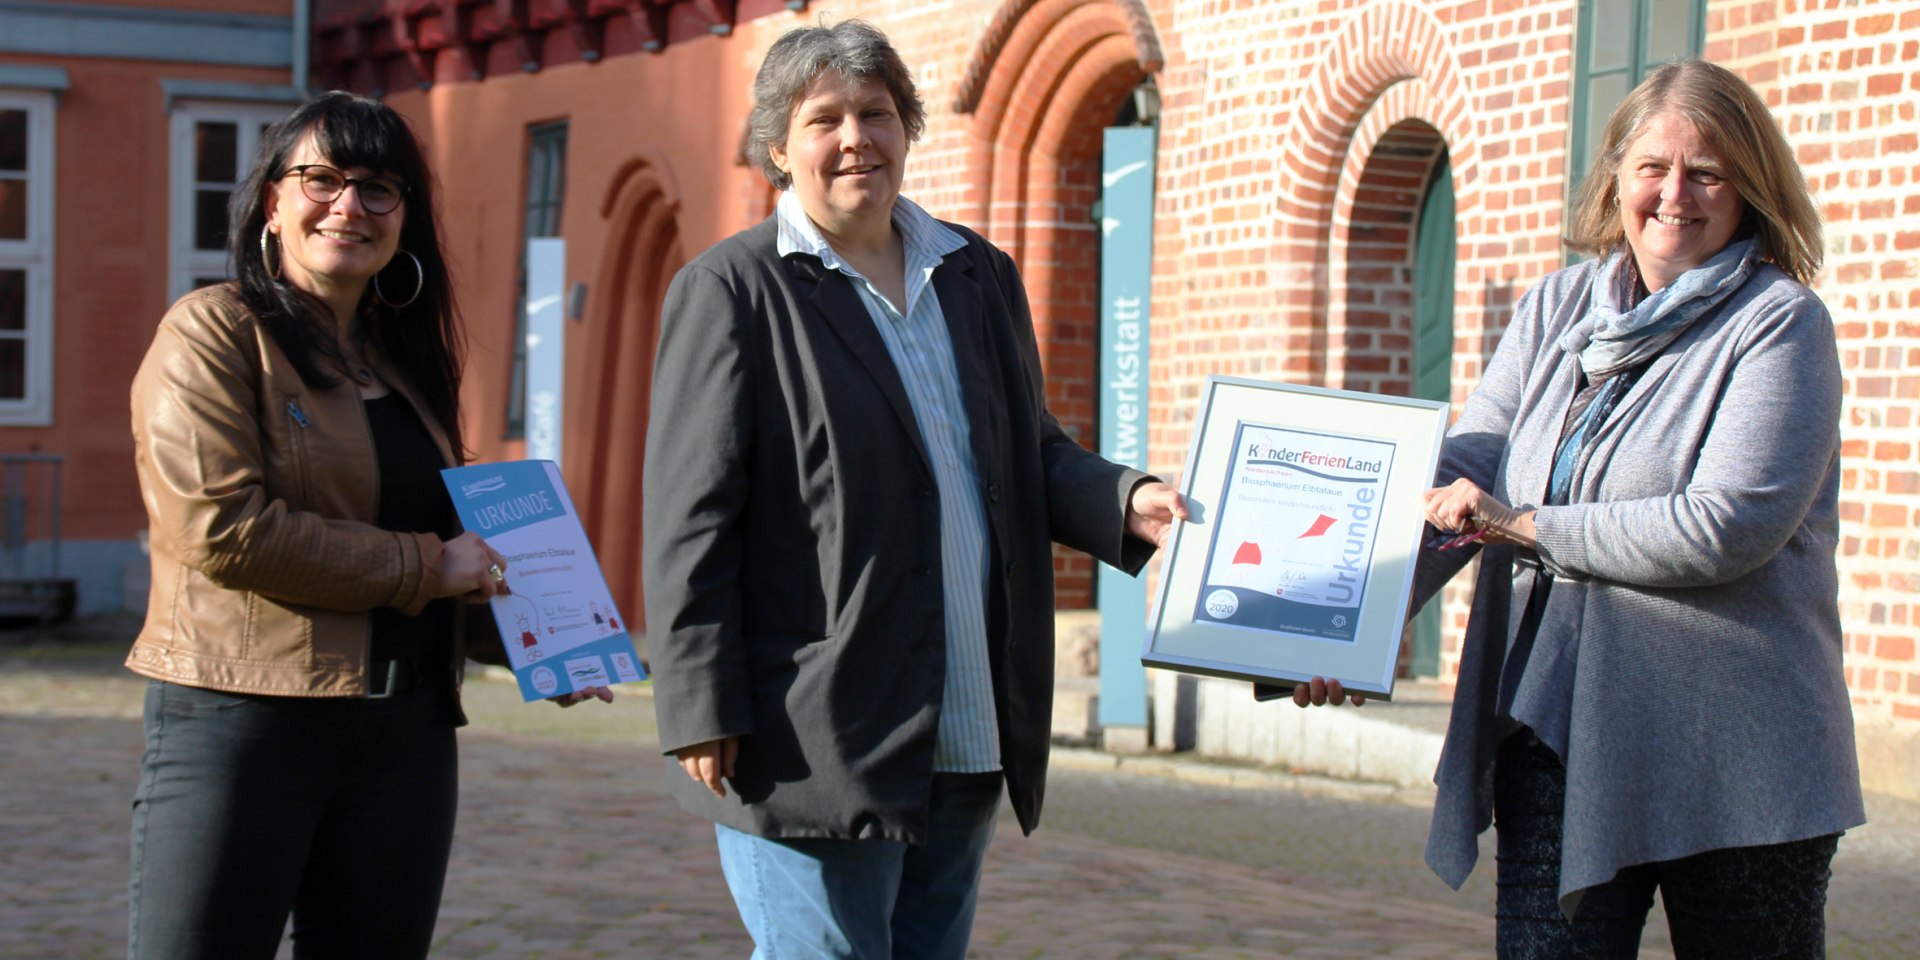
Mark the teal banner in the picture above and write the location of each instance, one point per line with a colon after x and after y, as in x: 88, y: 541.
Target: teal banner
x: 1126, y: 266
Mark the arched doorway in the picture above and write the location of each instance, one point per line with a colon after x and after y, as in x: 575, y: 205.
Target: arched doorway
x: 1393, y: 69
x: 614, y: 373
x: 1378, y: 259
x: 1392, y: 323
x: 1045, y: 82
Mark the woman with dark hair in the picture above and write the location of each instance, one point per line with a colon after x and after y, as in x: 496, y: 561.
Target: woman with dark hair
x: 303, y: 638
x: 852, y: 483
x: 1650, y: 693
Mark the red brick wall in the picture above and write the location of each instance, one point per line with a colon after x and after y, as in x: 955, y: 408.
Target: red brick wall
x: 1293, y: 141
x: 1844, y: 83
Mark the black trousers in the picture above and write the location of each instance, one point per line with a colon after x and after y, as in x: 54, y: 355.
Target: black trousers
x: 336, y: 811
x: 1740, y: 903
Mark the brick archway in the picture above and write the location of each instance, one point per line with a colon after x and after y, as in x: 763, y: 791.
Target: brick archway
x: 1046, y: 79
x: 614, y: 370
x: 1375, y: 212
x: 1384, y: 46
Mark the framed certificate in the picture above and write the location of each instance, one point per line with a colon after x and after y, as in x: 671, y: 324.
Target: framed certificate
x: 1298, y: 559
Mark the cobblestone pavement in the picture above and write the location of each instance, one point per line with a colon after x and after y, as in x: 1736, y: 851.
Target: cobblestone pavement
x: 568, y: 848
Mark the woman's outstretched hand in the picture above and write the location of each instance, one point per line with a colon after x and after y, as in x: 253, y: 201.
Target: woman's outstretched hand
x: 1320, y: 691
x: 582, y: 695
x: 1151, y: 511
x: 1464, y: 508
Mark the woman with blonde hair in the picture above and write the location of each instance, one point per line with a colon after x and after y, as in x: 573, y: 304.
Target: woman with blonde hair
x: 1650, y: 691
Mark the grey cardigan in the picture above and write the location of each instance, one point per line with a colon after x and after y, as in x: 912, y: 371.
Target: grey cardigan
x: 1687, y: 665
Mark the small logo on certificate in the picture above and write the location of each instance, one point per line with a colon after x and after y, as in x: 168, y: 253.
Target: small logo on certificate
x: 587, y: 672
x: 624, y: 669
x: 544, y: 680
x: 1222, y: 604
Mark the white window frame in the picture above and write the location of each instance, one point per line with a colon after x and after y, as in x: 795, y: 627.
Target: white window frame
x: 35, y: 256
x: 184, y: 262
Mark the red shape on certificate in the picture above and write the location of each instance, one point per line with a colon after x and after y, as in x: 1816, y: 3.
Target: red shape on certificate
x: 1249, y: 552
x: 1319, y: 528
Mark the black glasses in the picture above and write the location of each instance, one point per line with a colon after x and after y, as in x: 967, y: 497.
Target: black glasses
x: 324, y: 184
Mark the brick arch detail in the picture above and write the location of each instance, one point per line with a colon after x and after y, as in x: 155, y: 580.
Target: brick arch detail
x: 1376, y: 212
x: 613, y: 365
x: 1051, y: 85
x: 1382, y: 45
x: 1054, y: 52
x: 1000, y: 34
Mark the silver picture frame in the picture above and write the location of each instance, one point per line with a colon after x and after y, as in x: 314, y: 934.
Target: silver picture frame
x: 1298, y: 559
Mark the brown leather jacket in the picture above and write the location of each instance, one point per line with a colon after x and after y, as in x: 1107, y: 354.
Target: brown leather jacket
x: 262, y: 494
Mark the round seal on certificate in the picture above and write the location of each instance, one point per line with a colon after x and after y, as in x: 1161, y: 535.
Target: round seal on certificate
x: 1222, y: 604
x: 544, y: 681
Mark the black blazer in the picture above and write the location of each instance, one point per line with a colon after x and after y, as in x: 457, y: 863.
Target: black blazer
x: 792, y: 538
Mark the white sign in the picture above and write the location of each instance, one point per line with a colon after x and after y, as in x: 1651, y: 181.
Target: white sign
x: 546, y: 346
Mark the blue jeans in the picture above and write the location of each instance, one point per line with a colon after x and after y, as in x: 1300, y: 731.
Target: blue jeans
x: 338, y: 811
x: 868, y: 899
x: 1738, y: 903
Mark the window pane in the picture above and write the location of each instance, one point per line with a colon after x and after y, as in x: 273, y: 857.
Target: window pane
x: 214, y: 147
x: 546, y: 189
x: 537, y: 160
x: 13, y: 299
x: 13, y: 209
x: 1612, y: 34
x: 1603, y: 94
x: 210, y: 219
x: 546, y: 180
x: 543, y: 221
x: 1669, y: 31
x: 13, y: 139
x: 13, y: 369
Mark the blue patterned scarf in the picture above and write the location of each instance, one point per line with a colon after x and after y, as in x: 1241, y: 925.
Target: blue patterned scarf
x: 1610, y: 339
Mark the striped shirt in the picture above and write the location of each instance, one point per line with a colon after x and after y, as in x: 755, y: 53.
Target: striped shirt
x: 916, y: 337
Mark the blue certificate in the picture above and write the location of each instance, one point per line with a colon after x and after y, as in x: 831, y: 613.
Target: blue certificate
x: 559, y: 622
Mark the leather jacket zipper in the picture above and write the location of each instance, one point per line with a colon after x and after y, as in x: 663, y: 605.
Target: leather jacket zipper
x: 301, y: 422
x: 373, y: 457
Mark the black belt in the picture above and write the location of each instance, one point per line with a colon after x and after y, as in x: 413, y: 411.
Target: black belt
x: 392, y: 678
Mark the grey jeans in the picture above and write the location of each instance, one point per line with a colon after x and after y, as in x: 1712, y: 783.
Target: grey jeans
x: 336, y: 811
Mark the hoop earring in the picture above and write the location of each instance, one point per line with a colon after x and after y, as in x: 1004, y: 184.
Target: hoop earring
x: 266, y: 256
x: 419, y: 284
